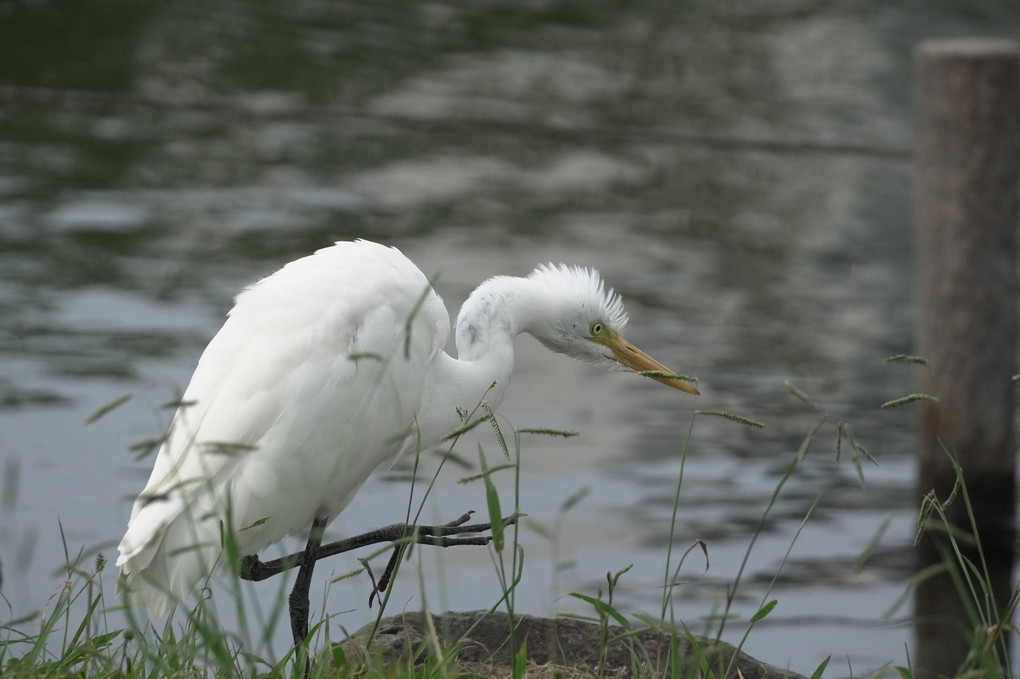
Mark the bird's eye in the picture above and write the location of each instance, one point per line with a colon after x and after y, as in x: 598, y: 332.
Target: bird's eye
x: 596, y: 328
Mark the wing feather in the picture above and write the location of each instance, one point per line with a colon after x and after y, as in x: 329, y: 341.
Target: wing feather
x: 307, y: 388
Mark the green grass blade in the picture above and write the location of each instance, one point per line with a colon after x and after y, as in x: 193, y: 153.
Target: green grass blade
x: 548, y: 432
x: 485, y: 473
x: 764, y: 611
x: 520, y: 662
x: 492, y: 502
x: 604, y: 608
x: 104, y: 409
x: 730, y: 416
x: 499, y: 433
x: 464, y: 428
x: 904, y: 358
x: 817, y: 674
x: 909, y: 398
x: 802, y: 395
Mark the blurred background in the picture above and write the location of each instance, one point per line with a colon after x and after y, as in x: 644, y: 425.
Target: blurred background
x: 739, y: 171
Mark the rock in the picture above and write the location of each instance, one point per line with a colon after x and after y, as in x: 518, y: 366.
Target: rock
x: 562, y: 642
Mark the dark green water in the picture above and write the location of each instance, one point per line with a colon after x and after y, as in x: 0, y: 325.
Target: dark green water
x: 127, y: 225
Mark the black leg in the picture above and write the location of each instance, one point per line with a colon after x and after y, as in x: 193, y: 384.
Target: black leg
x: 457, y: 532
x: 299, y: 600
x: 378, y: 588
x: 447, y: 535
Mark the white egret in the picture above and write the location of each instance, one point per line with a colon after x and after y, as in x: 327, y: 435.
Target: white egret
x: 322, y: 372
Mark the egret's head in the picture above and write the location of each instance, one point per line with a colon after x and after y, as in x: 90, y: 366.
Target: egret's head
x: 583, y: 319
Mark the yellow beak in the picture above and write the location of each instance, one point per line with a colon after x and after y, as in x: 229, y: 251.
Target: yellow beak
x: 635, y: 359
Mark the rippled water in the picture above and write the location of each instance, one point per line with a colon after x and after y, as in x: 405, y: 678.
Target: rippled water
x: 125, y: 230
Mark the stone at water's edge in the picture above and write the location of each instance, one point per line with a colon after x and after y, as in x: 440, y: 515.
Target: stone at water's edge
x: 561, y: 641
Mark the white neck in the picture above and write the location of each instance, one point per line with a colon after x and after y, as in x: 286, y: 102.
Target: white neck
x: 497, y: 311
x: 492, y: 316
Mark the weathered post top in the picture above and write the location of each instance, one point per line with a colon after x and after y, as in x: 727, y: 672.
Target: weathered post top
x: 964, y: 48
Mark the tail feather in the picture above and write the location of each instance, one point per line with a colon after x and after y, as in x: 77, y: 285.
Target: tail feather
x: 165, y: 553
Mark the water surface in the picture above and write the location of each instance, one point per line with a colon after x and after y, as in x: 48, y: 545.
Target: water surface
x: 125, y: 231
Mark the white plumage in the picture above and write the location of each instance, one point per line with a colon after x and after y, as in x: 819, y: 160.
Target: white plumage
x: 322, y: 372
